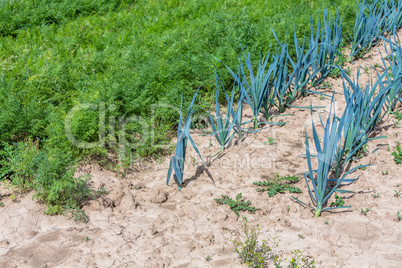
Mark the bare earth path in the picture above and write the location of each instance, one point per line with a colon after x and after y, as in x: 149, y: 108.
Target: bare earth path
x: 144, y: 223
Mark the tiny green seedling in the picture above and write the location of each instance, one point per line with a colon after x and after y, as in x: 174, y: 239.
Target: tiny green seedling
x: 236, y: 205
x: 86, y: 239
x: 1, y: 204
x: 397, y: 154
x: 364, y: 211
x: 384, y: 172
x: 376, y: 195
x: 212, y: 239
x: 301, y: 235
x: 322, y: 97
x: 397, y: 193
x: 327, y: 222
x: 338, y: 201
x: 367, y: 70
x: 399, y: 216
x: 327, y: 84
x: 272, y: 141
x: 210, y: 144
x: 208, y: 258
x: 398, y: 118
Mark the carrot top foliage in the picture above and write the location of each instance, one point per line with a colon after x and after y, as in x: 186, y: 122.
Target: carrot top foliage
x: 125, y: 56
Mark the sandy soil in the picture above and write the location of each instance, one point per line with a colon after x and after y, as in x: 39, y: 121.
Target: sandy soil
x: 144, y: 223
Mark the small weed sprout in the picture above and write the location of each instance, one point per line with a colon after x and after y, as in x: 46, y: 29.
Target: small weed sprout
x: 399, y: 216
x: 298, y: 260
x: 208, y: 258
x: 398, y: 118
x: 376, y: 195
x: 398, y: 153
x: 301, y: 235
x: 397, y: 193
x: 236, y: 205
x: 364, y: 211
x: 384, y: 172
x: 272, y: 141
x: 338, y: 201
x: 86, y: 239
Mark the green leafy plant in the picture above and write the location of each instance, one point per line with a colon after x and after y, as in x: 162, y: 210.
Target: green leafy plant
x: 340, y: 61
x: 364, y: 211
x: 278, y: 185
x: 338, y: 201
x: 250, y: 252
x: 50, y: 174
x: 236, y: 205
x: 86, y: 239
x: 272, y: 141
x: 208, y: 258
x: 376, y: 195
x: 397, y: 193
x: 1, y: 204
x: 384, y: 172
x: 298, y: 260
x: 326, y: 84
x: 398, y: 118
x: 398, y: 216
x: 398, y: 153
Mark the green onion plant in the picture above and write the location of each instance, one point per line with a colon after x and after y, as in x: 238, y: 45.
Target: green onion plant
x: 370, y: 17
x: 363, y: 111
x: 224, y: 126
x: 320, y: 190
x: 325, y: 41
x: 393, y: 69
x: 183, y: 136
